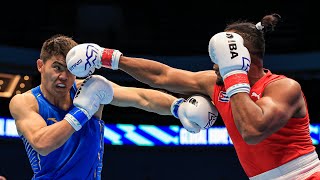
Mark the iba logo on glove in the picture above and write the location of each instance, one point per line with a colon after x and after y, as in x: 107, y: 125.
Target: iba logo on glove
x: 232, y: 42
x: 232, y: 45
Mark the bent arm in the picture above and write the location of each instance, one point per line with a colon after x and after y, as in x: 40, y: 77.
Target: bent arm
x: 145, y: 99
x: 159, y: 75
x: 44, y: 139
x: 258, y: 120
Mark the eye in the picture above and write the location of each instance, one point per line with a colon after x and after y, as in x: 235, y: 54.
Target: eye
x: 58, y: 68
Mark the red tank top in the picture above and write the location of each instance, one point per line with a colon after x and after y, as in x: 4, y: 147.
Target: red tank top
x: 290, y: 142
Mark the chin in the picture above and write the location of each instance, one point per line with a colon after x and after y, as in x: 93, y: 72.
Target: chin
x: 61, y: 91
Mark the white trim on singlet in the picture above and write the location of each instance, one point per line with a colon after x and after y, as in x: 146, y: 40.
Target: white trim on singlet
x: 297, y: 169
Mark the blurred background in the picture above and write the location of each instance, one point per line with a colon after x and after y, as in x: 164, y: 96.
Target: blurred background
x: 173, y: 32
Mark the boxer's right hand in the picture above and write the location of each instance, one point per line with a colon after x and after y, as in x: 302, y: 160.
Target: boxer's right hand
x: 94, y: 91
x: 84, y: 58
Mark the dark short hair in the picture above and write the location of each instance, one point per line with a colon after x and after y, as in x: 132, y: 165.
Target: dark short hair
x: 56, y: 45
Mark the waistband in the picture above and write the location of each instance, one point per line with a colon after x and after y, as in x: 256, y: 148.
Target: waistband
x: 299, y: 168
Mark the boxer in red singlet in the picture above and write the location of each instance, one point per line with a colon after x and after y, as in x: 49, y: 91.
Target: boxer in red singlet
x: 266, y: 114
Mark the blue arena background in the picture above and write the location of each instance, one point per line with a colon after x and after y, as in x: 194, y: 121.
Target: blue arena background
x: 154, y: 135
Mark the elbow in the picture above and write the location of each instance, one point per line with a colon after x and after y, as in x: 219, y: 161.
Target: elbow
x: 254, y: 133
x: 155, y: 83
x: 253, y: 136
x: 43, y: 151
x: 158, y: 81
x: 252, y: 139
x: 42, y: 148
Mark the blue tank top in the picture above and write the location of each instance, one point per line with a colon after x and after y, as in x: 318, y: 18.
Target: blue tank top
x: 81, y: 155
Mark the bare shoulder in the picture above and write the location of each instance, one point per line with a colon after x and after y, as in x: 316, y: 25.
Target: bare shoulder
x: 285, y: 84
x: 25, y: 100
x: 207, y: 80
x: 24, y: 109
x: 285, y: 87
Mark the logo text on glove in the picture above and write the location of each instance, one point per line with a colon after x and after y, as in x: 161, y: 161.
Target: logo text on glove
x: 232, y: 46
x: 75, y: 64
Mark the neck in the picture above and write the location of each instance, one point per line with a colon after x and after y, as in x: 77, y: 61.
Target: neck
x: 255, y: 73
x: 60, y: 101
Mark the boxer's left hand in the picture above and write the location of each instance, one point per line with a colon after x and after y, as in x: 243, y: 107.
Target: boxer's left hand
x: 228, y: 51
x: 94, y: 91
x: 195, y: 113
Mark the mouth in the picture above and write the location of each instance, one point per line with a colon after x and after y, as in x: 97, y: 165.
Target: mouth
x: 60, y: 85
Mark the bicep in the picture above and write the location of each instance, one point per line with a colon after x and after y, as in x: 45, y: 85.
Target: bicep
x: 27, y: 120
x: 279, y: 103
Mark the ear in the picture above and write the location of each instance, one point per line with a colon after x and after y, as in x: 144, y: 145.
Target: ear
x: 40, y: 65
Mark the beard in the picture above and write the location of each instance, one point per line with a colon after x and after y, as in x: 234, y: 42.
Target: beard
x: 219, y: 81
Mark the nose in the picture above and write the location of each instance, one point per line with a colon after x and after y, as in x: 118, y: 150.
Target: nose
x: 64, y: 75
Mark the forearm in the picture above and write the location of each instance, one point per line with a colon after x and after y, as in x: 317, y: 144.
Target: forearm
x: 144, y: 70
x: 50, y: 138
x: 159, y: 103
x: 248, y: 117
x: 162, y: 76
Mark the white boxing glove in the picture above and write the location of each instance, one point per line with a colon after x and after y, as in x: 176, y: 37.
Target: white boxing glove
x: 195, y: 113
x: 84, y: 58
x: 94, y: 91
x: 227, y: 50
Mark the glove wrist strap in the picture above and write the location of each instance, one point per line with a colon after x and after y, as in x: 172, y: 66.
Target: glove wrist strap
x: 175, y: 106
x: 77, y: 117
x: 235, y: 82
x: 110, y: 58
